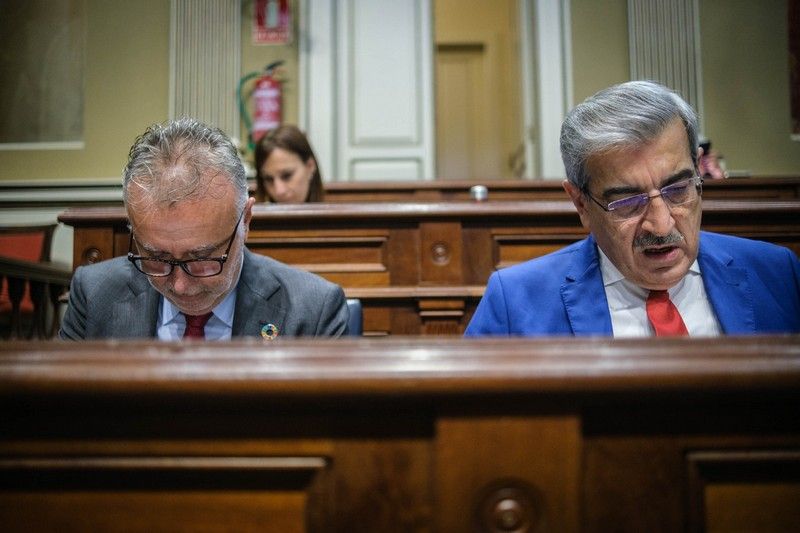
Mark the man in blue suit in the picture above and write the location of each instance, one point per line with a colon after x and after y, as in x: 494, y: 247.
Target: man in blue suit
x: 631, y: 153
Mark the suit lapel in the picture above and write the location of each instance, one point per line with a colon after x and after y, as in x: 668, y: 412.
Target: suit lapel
x: 256, y: 306
x: 136, y: 316
x: 728, y: 290
x: 583, y: 294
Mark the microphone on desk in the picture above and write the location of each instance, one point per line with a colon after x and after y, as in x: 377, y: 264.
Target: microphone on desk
x: 479, y: 193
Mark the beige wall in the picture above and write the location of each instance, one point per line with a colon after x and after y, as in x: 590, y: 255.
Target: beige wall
x: 127, y: 88
x: 745, y: 64
x: 745, y: 76
x: 127, y: 81
x: 745, y: 57
x: 599, y: 45
x: 477, y: 40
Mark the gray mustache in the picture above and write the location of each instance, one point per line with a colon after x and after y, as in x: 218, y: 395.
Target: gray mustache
x: 648, y: 240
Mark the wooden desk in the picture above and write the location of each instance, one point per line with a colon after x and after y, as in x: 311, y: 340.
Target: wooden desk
x: 396, y: 435
x: 774, y: 188
x: 425, y: 264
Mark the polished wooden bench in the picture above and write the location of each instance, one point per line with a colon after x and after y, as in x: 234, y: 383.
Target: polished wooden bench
x: 522, y: 190
x: 420, y: 268
x: 398, y: 435
x: 60, y: 194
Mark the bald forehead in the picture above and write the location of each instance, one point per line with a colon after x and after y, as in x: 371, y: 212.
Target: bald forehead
x: 208, y: 192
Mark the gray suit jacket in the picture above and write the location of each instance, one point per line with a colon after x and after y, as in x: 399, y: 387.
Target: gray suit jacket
x: 114, y: 300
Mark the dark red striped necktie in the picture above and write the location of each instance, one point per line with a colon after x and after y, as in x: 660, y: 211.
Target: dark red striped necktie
x: 664, y: 316
x: 196, y: 326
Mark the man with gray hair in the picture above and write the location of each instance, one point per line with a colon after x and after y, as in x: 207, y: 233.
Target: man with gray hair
x: 631, y: 157
x: 188, y: 273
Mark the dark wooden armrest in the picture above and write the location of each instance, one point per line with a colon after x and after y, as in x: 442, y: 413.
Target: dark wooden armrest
x: 42, y: 271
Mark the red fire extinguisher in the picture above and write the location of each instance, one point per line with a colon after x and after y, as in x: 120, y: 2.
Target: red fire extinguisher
x: 266, y: 96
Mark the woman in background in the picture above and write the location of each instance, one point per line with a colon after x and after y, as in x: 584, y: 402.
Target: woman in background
x: 286, y: 168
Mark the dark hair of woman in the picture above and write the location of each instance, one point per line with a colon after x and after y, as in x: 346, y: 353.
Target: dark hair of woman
x: 289, y: 138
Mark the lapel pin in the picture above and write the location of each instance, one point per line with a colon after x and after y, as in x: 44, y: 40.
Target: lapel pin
x: 269, y: 331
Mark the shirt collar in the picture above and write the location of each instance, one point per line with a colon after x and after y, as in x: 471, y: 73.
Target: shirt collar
x: 612, y: 275
x: 223, y: 311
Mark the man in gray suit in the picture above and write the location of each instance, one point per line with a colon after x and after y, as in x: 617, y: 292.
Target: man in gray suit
x: 188, y: 273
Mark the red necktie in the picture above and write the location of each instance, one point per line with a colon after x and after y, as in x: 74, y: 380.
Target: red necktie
x: 664, y: 316
x: 195, y: 326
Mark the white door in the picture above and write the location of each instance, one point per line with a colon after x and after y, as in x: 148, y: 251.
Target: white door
x: 367, y: 88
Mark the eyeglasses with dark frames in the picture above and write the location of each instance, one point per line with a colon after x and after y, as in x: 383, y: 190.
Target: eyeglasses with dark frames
x: 678, y: 193
x: 197, y: 268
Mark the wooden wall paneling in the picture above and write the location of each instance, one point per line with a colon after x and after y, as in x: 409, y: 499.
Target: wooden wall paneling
x: 427, y: 245
x: 163, y: 466
x: 417, y: 310
x: 635, y: 484
x: 349, y: 257
x: 380, y: 485
x: 404, y: 246
x: 744, y: 490
x: 477, y: 252
x: 510, y: 249
x: 640, y: 476
x: 764, y: 188
x: 145, y: 493
x: 440, y: 253
x: 403, y: 434
x: 92, y: 245
x: 508, y: 473
x: 777, y: 221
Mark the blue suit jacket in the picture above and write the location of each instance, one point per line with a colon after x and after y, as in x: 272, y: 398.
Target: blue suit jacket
x: 753, y: 287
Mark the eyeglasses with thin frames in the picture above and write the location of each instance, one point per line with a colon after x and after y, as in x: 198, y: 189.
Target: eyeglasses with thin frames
x: 197, y: 268
x: 674, y: 194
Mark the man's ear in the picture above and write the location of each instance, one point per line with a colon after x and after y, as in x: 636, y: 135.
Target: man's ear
x: 575, y: 194
x: 700, y: 154
x: 578, y: 200
x: 248, y: 213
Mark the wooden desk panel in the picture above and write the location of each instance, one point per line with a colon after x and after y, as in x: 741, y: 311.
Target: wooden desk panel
x: 430, y: 435
x: 422, y: 247
x: 765, y: 188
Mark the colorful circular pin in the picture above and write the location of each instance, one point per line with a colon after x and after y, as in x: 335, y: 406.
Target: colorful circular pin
x: 269, y: 331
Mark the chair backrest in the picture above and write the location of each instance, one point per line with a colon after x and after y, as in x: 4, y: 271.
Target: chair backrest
x: 356, y: 323
x: 31, y: 243
x: 19, y: 294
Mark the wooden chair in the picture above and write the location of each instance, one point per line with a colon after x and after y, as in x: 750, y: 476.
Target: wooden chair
x: 30, y: 281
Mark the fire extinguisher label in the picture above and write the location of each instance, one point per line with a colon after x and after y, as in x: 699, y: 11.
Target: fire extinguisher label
x: 267, y: 106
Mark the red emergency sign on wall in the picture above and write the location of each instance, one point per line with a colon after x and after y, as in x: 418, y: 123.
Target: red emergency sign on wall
x: 272, y: 22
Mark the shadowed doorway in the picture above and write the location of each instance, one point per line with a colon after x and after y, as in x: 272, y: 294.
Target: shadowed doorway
x: 479, y: 133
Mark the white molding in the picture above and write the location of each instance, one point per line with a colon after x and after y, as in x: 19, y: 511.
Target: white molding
x: 35, y: 183
x: 528, y: 91
x: 173, y: 30
x: 665, y: 46
x: 547, y: 86
x: 317, y: 72
x: 553, y: 88
x: 427, y: 90
x: 65, y: 145
x: 205, y: 61
x: 60, y: 192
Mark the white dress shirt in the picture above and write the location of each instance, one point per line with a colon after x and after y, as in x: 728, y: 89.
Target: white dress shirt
x: 626, y: 303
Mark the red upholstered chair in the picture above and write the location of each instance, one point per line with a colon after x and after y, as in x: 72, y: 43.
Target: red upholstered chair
x: 23, y: 294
